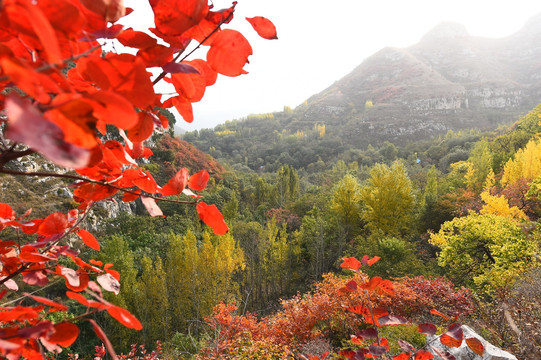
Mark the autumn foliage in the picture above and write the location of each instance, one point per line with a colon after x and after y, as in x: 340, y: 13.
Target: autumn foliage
x: 347, y: 309
x: 90, y: 113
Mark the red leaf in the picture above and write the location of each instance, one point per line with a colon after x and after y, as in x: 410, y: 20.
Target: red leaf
x: 136, y: 39
x: 369, y: 333
x: 436, y: 312
x: 156, y: 56
x: 348, y: 354
x: 114, y: 109
x: 373, y: 260
x: 356, y: 340
x: 423, y: 355
x: 427, y: 328
x: 386, y: 286
x: 6, y: 212
x: 229, y: 53
x: 34, y: 256
x: 30, y: 254
x: 65, y: 334
x: 143, y: 129
x: 44, y: 31
x: 84, y: 301
x: 264, y: 27
x: 26, y: 125
x: 453, y: 336
x: 205, y: 28
x: 476, y: 345
x: 174, y: 67
x: 119, y: 152
x: 109, y: 10
x: 191, y: 86
x: 359, y: 309
x: 183, y: 106
x: 10, y: 284
x: 152, y: 208
x: 35, y: 278
x: 199, y: 180
x: 89, y: 239
x: 53, y: 224
x: 406, y: 346
x: 55, y: 305
x: 93, y: 192
x: 75, y: 280
x: 109, y: 283
x: 144, y: 181
x: 124, y: 317
x: 128, y: 196
x: 350, y: 263
x: 402, y: 356
x: 351, y: 285
x: 211, y: 216
x: 372, y: 283
x: 124, y: 74
x: 113, y: 273
x: 392, y: 320
x: 176, y: 184
x: 173, y: 17
x: 377, y: 350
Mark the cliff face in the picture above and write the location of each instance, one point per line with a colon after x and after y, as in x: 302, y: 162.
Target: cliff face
x: 449, y: 80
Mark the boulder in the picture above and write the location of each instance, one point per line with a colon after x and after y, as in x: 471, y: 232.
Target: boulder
x: 464, y: 352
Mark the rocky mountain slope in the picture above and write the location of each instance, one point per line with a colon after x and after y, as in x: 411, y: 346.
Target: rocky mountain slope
x: 449, y: 80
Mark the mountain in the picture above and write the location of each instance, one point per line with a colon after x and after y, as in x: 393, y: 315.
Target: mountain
x: 450, y: 80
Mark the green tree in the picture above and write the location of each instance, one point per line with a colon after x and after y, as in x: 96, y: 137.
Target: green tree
x: 151, y: 301
x: 115, y: 250
x: 481, y: 161
x: 388, y: 200
x: 346, y: 208
x: 429, y: 201
x: 287, y: 185
x: 251, y: 238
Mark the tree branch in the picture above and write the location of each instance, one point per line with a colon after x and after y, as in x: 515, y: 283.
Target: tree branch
x: 227, y: 18
x: 80, y: 178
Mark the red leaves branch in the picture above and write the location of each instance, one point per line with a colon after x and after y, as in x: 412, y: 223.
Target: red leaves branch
x: 63, y: 115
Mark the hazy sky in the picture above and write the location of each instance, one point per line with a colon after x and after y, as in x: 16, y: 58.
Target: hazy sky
x: 320, y: 41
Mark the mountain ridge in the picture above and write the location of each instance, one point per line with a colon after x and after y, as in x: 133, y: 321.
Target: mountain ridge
x: 449, y: 80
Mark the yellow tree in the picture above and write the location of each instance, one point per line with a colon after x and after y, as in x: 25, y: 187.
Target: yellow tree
x: 275, y: 260
x: 525, y: 165
x: 388, y: 200
x: 481, y: 164
x: 200, y: 275
x: 484, y: 250
x: 346, y: 208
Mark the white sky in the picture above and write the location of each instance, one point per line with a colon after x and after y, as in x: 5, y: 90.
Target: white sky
x: 320, y: 41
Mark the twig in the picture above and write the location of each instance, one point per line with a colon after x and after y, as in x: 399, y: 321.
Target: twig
x: 80, y: 178
x: 64, y: 62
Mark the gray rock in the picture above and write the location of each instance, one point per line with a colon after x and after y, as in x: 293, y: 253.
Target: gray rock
x: 465, y: 353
